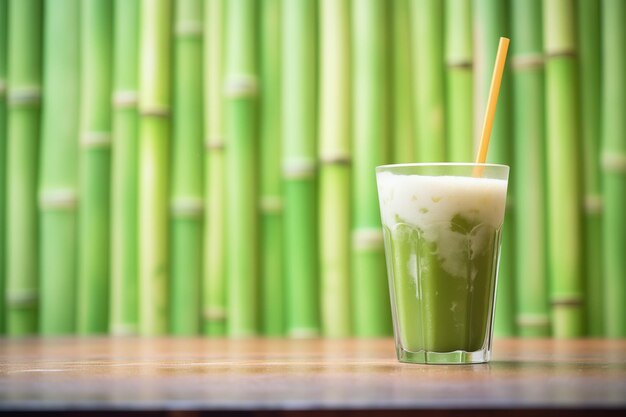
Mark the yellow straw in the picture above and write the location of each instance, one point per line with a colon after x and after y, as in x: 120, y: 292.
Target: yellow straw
x: 494, y: 90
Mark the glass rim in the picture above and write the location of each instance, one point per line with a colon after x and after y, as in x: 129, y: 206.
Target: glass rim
x: 441, y: 164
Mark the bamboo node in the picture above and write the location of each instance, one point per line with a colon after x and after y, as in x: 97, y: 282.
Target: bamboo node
x: 60, y: 198
x: 123, y: 329
x: 561, y: 53
x: 460, y: 63
x: 125, y: 98
x: 23, y: 96
x: 214, y: 314
x: 22, y: 298
x: 593, y: 204
x: 567, y: 300
x: 91, y: 140
x: 367, y: 239
x: 154, y: 110
x: 241, y: 85
x: 188, y: 28
x: 271, y: 204
x: 336, y: 159
x: 527, y: 61
x: 187, y: 207
x: 614, y: 162
x: 533, y: 320
x: 214, y: 143
x: 297, y: 168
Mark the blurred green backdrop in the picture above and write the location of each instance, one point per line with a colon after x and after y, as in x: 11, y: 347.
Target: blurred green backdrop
x: 207, y: 166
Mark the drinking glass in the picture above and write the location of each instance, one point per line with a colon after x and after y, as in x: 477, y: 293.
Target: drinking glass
x: 442, y: 225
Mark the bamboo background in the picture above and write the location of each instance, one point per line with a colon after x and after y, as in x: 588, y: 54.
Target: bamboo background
x: 207, y: 166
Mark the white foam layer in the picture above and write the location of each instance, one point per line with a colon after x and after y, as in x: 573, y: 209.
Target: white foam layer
x: 438, y: 207
x: 423, y: 200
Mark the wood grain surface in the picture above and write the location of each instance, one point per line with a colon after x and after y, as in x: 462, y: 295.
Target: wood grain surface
x: 205, y: 374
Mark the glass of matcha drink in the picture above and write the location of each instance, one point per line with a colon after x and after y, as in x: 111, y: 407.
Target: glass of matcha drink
x: 442, y: 225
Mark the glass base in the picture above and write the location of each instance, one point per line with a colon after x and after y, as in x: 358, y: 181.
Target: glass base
x: 444, y: 358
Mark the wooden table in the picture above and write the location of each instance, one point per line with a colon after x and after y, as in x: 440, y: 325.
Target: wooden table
x: 204, y: 374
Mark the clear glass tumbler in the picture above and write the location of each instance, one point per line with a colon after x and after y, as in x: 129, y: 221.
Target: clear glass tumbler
x: 442, y: 225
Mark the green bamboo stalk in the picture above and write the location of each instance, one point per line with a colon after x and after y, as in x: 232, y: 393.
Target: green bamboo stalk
x: 23, y: 102
x: 187, y: 184
x: 428, y: 64
x: 403, y: 129
x: 491, y: 22
x: 271, y: 183
x: 124, y: 251
x: 588, y: 24
x: 59, y: 168
x: 299, y: 165
x: 154, y: 167
x: 240, y: 87
x: 371, y: 75
x: 95, y: 166
x: 614, y: 163
x: 335, y: 159
x: 563, y: 159
x: 214, y: 288
x: 3, y: 158
x: 459, y: 78
x: 531, y: 284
